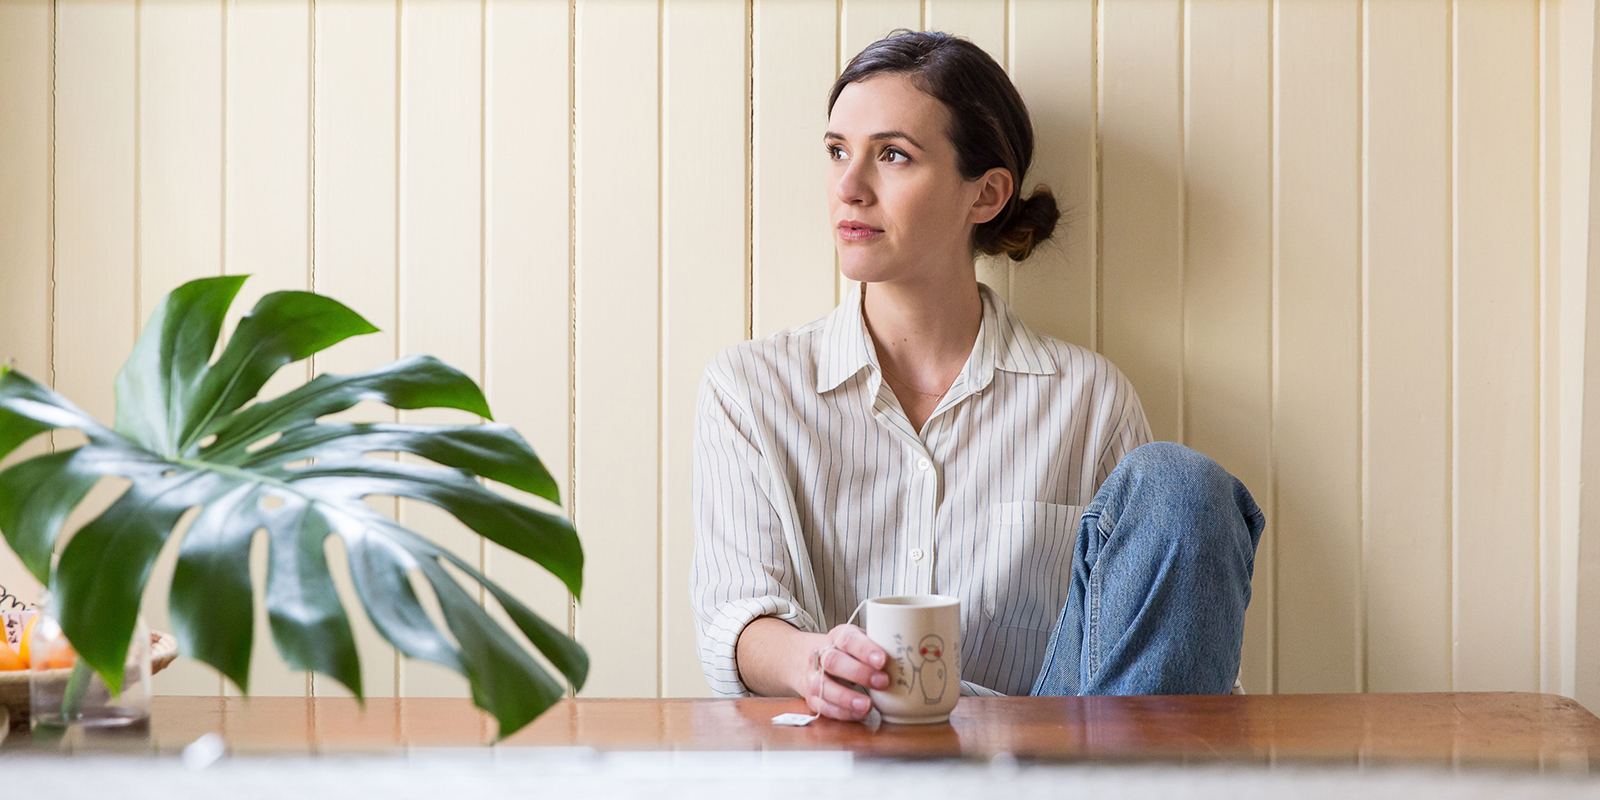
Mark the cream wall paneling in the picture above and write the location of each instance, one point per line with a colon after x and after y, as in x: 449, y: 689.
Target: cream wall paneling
x: 1316, y: 411
x: 1339, y: 246
x: 354, y: 257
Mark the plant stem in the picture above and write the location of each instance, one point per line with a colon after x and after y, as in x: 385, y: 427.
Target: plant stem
x: 77, y: 686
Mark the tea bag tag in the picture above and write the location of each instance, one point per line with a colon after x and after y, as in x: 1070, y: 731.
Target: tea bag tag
x: 795, y: 720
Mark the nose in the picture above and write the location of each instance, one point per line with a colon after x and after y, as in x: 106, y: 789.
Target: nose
x: 853, y: 185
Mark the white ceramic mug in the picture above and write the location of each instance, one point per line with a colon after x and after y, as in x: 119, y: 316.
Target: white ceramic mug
x: 922, y: 633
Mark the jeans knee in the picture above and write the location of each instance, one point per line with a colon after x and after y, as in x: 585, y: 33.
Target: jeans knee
x: 1173, y: 464
x: 1193, y: 487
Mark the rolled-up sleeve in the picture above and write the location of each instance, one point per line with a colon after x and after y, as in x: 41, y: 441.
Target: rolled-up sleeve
x: 742, y: 569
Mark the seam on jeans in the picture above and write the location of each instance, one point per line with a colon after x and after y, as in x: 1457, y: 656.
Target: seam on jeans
x: 1099, y: 523
x: 1091, y: 607
x: 1091, y: 648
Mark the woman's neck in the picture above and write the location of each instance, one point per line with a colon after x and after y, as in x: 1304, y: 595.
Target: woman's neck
x: 923, y: 332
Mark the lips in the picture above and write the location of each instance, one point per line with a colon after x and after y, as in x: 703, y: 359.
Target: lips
x: 853, y: 231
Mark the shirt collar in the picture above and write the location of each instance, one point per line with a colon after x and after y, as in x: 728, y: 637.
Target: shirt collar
x: 1003, y: 343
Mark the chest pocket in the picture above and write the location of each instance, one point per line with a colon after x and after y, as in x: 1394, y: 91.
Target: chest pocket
x: 1027, y: 565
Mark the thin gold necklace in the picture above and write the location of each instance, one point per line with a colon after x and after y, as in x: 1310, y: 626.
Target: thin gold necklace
x: 908, y: 384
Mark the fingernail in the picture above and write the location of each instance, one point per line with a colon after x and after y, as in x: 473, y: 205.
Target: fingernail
x: 860, y: 703
x: 880, y: 681
x: 877, y: 659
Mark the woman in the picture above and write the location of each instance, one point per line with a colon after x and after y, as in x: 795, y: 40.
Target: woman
x: 920, y: 439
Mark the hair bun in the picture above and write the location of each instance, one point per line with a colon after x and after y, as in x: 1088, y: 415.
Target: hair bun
x: 1030, y: 223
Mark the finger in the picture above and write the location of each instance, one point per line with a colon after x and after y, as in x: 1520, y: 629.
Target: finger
x: 843, y: 697
x: 830, y: 710
x: 838, y: 663
x: 854, y: 642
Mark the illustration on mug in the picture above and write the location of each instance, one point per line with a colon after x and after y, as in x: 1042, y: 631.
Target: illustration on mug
x: 922, y: 667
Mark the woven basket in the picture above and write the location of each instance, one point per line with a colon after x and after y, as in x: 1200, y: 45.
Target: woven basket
x: 14, y: 684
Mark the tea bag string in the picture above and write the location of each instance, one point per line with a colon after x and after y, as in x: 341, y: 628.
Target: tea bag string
x: 863, y: 604
x: 816, y: 655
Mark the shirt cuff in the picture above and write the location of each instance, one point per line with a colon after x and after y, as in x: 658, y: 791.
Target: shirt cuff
x: 719, y: 646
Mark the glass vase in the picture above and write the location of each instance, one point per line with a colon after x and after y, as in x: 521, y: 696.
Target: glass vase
x: 64, y: 691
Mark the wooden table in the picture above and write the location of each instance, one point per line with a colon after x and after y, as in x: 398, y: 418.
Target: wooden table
x: 1541, y: 731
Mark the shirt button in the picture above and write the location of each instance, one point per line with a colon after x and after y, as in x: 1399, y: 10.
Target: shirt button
x: 916, y: 554
x: 923, y: 463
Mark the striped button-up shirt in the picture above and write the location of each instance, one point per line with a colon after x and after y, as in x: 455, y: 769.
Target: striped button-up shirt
x: 813, y: 492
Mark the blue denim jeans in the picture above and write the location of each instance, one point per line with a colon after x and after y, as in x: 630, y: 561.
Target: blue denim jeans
x: 1160, y: 581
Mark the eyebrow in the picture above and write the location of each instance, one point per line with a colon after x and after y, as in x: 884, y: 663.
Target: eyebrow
x: 830, y: 135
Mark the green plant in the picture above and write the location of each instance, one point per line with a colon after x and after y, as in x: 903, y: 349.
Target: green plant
x: 185, y: 438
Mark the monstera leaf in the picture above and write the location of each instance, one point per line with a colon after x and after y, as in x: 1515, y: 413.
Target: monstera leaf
x: 187, y: 436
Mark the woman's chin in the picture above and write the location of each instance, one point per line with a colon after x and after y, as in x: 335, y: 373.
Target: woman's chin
x: 865, y: 271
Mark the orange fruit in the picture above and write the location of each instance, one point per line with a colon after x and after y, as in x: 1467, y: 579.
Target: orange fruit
x: 10, y: 660
x: 61, y: 657
x: 27, y: 634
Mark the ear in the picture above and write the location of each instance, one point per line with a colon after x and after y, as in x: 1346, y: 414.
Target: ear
x: 994, y: 189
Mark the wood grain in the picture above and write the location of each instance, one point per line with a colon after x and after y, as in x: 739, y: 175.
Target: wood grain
x: 1509, y: 729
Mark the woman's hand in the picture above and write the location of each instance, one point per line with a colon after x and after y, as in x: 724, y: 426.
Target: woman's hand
x: 842, y: 657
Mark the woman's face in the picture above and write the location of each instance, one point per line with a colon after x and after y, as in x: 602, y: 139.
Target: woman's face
x: 899, y: 206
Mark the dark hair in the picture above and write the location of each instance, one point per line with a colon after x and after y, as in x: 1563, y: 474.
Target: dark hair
x: 989, y: 125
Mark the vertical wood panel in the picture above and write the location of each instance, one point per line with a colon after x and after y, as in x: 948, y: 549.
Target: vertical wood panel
x: 354, y: 258
x: 528, y: 262
x: 618, y: 343
x: 1317, y: 411
x: 866, y: 21
x: 96, y: 217
x: 96, y: 211
x: 1575, y: 53
x: 1551, y: 443
x: 441, y: 237
x: 25, y: 194
x: 1053, y: 66
x: 1227, y: 272
x: 1141, y: 158
x: 983, y: 22
x: 1586, y: 556
x: 1406, y: 218
x: 793, y: 274
x: 268, y: 215
x: 1496, y: 380
x: 704, y: 129
x: 180, y: 212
